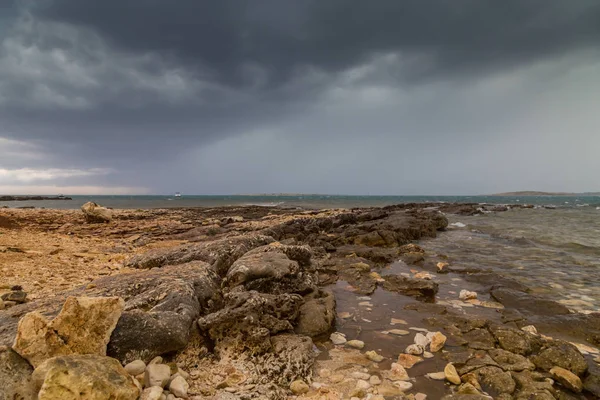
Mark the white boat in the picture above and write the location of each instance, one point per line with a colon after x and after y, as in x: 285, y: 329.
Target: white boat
x: 177, y: 194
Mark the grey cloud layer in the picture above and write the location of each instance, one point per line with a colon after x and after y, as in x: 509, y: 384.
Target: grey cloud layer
x: 143, y: 88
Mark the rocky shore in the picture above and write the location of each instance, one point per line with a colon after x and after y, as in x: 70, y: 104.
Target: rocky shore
x: 272, y: 303
x: 28, y: 198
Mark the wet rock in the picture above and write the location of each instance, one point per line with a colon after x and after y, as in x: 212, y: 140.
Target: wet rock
x: 562, y: 354
x: 179, y: 387
x: 90, y: 376
x: 299, y: 387
x: 516, y: 341
x: 467, y: 388
x: 438, y: 339
x: 418, y: 288
x: 95, y: 213
x: 479, y: 359
x: 15, y: 296
x: 532, y: 385
x: 408, y: 360
x: 480, y: 339
x: 373, y: 356
x: 398, y: 332
x: 249, y: 319
x: 527, y: 303
x: 403, y: 385
x: 357, y: 344
x: 451, y: 375
x: 509, y: 361
x: 15, y: 376
x: 396, y: 373
x: 317, y: 314
x: 421, y: 340
x: 467, y: 295
x: 495, y: 381
x: 567, y: 379
x: 83, y: 326
x: 529, y: 329
x: 591, y: 383
x: 436, y: 376
x: 135, y: 368
x: 414, y: 349
x: 337, y: 338
x: 291, y: 357
x: 221, y: 254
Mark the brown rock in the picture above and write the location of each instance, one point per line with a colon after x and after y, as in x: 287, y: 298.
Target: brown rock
x: 567, y: 379
x: 95, y: 213
x: 437, y: 342
x: 15, y: 376
x: 408, y: 360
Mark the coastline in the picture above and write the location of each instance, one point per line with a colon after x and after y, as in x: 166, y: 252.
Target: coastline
x: 371, y: 261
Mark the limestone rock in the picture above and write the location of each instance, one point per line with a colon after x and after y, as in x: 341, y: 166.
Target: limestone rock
x: 152, y: 393
x: 414, y: 349
x: 408, y: 360
x: 421, y: 289
x: 421, y: 340
x: 373, y: 356
x: 83, y: 326
x: 436, y: 376
x: 495, y: 381
x: 561, y: 354
x: 396, y: 373
x: 299, y: 387
x: 567, y: 379
x: 451, y: 375
x: 84, y: 377
x: 467, y: 295
x: 357, y: 344
x: 135, y: 367
x: 95, y: 213
x: 438, y: 339
x: 337, y: 338
x: 157, y: 375
x: 516, y: 341
x: 15, y: 376
x: 317, y: 314
x: 179, y: 387
x: 15, y: 296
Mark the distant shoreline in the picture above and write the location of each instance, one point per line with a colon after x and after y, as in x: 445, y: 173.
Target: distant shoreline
x: 30, y: 198
x: 534, y: 193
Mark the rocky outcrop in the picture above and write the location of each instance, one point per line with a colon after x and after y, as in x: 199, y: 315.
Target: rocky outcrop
x: 221, y: 254
x: 15, y: 376
x: 83, y: 326
x: 95, y: 213
x: 421, y: 289
x: 317, y: 314
x: 84, y: 377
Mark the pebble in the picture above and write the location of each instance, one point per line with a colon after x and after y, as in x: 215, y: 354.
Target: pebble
x: 338, y: 338
x: 135, y: 367
x: 373, y: 356
x: 451, y: 374
x: 374, y: 380
x: 324, y: 373
x: 467, y: 295
x: 316, y: 385
x: 398, y: 373
x: 344, y: 315
x: 398, y: 332
x: 403, y: 385
x: 438, y: 340
x: 157, y: 375
x: 179, y: 387
x: 357, y: 344
x: 299, y: 387
x: 337, y: 378
x: 421, y: 340
x: 395, y: 321
x: 360, y: 375
x: 424, y: 275
x: 408, y: 360
x: 152, y: 393
x: 427, y: 354
x: 362, y: 384
x: 530, y: 329
x: 156, y: 360
x: 412, y: 328
x: 414, y: 349
x: 365, y: 304
x: 436, y: 376
x: 171, y: 396
x: 420, y: 396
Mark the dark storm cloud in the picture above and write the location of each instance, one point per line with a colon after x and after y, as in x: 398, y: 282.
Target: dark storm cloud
x: 142, y: 89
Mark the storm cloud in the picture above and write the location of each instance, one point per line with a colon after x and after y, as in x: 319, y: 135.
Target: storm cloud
x: 337, y: 96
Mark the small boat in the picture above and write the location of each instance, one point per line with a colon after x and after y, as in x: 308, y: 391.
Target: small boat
x: 177, y: 194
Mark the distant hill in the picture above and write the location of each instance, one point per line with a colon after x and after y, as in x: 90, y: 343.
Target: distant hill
x: 534, y: 193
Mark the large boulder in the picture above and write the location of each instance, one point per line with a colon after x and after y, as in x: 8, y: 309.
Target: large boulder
x: 15, y: 376
x: 160, y: 308
x: 95, y: 213
x: 248, y: 321
x: 83, y: 326
x: 317, y: 314
x: 557, y: 353
x: 84, y: 377
x: 219, y: 253
x: 420, y: 289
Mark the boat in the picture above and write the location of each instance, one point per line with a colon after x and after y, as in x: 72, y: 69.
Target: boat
x: 177, y: 194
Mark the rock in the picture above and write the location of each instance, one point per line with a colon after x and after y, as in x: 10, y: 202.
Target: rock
x: 509, y: 361
x: 396, y: 373
x: 136, y: 367
x: 360, y: 375
x: 408, y: 360
x: 299, y: 387
x: 317, y: 314
x: 403, y: 385
x: 567, y: 379
x: 398, y: 332
x: 420, y: 396
x: 527, y: 303
x: 324, y: 373
x: 442, y: 268
x: 362, y: 385
x: 414, y: 349
x: 90, y: 376
x: 427, y: 354
x: 157, y: 375
x: 495, y: 381
x: 421, y: 289
x: 337, y: 338
x: 374, y: 380
x: 179, y: 387
x: 562, y: 354
x: 467, y: 388
x: 451, y: 375
x: 436, y: 376
x: 438, y: 339
x: 337, y: 378
x: 156, y: 360
x: 83, y: 326
x: 15, y: 376
x: 421, y: 340
x: 516, y: 341
x: 2, y: 306
x: 357, y: 344
x: 467, y: 295
x: 16, y: 296
x: 529, y: 329
x: 152, y: 393
x: 95, y: 213
x: 373, y: 356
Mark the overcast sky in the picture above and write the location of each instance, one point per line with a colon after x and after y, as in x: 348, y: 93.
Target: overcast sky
x: 313, y: 96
